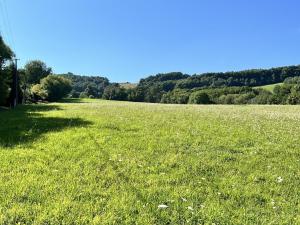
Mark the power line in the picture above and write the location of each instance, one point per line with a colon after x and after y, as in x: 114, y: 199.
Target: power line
x: 2, y: 23
x: 9, y: 25
x: 6, y: 28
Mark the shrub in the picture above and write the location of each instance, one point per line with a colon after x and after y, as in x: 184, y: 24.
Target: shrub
x: 199, y: 97
x: 51, y: 88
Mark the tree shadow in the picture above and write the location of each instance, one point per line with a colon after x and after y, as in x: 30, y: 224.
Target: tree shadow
x: 26, y: 123
x: 72, y: 100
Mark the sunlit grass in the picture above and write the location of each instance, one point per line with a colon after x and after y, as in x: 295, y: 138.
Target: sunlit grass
x: 102, y: 162
x: 269, y: 87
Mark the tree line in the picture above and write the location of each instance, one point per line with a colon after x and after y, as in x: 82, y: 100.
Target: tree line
x: 216, y: 88
x: 38, y: 83
x: 35, y: 80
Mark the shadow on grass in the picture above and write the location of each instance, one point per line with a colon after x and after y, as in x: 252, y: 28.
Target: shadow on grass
x: 72, y: 100
x: 27, y: 123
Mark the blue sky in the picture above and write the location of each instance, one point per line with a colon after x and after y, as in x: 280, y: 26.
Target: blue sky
x: 126, y: 40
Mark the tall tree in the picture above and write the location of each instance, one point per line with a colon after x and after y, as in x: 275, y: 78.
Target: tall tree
x: 36, y: 70
x: 5, y: 54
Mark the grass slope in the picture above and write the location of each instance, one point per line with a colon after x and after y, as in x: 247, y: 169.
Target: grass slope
x: 103, y: 162
x: 269, y: 87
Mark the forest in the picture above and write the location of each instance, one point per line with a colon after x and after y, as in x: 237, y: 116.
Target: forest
x: 244, y: 87
x: 37, y: 82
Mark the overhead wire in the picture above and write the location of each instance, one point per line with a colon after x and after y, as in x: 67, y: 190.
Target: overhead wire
x: 6, y: 31
x: 9, y: 24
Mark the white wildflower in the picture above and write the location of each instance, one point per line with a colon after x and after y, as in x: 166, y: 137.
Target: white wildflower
x: 190, y: 208
x: 272, y: 202
x: 184, y: 199
x: 279, y: 179
x: 163, y: 206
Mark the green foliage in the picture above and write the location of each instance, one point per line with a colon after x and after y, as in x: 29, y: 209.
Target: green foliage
x: 115, y: 92
x: 263, y: 97
x: 5, y: 52
x: 105, y: 162
x: 83, y: 95
x: 90, y: 85
x: 177, y: 96
x: 292, y: 80
x: 294, y: 97
x: 56, y: 87
x: 35, y: 71
x: 52, y: 88
x: 4, y: 88
x: 199, y: 97
x: 249, y: 78
x: 159, y: 88
x: 5, y: 75
x: 269, y: 87
x: 39, y: 93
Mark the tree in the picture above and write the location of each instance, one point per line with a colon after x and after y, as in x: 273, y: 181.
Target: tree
x: 115, y: 92
x: 36, y: 70
x: 294, y: 97
x: 38, y: 93
x: 5, y: 55
x: 52, y: 88
x: 199, y: 97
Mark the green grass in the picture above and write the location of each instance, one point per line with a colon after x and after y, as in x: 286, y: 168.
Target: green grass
x: 102, y: 162
x: 269, y: 87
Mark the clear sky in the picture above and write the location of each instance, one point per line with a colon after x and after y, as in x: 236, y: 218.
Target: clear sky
x: 126, y: 40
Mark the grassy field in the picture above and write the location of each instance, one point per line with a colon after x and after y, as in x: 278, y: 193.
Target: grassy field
x: 102, y: 162
x: 269, y: 87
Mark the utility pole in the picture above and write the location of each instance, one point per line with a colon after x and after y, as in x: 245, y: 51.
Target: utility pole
x: 15, y: 85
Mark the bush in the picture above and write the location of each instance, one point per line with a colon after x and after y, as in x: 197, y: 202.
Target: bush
x: 176, y: 96
x: 227, y: 99
x: 38, y: 93
x: 263, y: 98
x: 244, y: 98
x: 4, y: 90
x: 51, y: 88
x: 83, y: 95
x: 294, y: 97
x: 115, y: 92
x: 199, y: 97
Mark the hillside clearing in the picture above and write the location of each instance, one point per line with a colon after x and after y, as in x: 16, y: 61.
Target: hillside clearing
x: 269, y: 87
x: 105, y: 162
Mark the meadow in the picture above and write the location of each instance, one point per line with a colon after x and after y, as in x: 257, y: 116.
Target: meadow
x: 106, y: 162
x: 269, y: 87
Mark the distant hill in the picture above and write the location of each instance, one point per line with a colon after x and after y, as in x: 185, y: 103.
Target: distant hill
x: 241, y: 87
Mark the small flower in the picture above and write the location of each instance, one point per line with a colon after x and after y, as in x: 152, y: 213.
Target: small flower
x: 184, y: 199
x: 202, y: 206
x: 279, y: 179
x: 163, y: 206
x: 190, y: 208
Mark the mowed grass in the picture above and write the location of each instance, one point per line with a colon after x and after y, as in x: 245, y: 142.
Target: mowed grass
x: 105, y: 162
